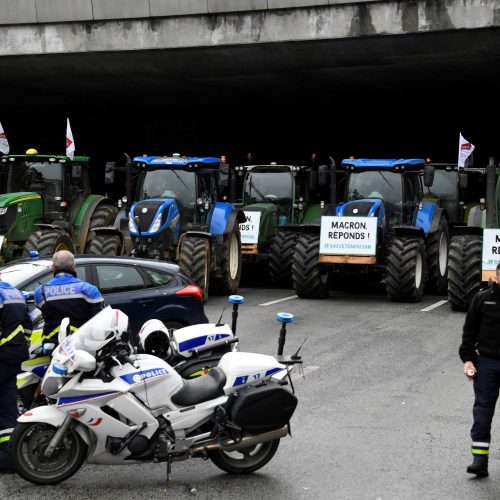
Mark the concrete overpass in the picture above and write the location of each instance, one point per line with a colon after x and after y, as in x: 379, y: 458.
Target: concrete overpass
x: 389, y: 77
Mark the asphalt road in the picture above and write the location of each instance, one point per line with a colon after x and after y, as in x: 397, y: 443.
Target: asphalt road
x: 384, y: 411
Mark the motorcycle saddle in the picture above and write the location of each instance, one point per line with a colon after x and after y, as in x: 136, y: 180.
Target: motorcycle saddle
x: 201, y: 389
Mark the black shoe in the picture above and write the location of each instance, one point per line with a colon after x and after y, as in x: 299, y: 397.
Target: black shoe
x: 479, y: 466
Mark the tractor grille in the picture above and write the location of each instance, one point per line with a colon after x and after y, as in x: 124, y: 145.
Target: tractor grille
x: 7, y: 219
x: 363, y: 207
x: 145, y: 219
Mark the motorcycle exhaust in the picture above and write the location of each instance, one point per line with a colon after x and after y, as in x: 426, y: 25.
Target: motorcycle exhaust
x: 245, y: 442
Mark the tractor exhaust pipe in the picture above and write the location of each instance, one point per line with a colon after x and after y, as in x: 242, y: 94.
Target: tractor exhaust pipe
x: 246, y: 442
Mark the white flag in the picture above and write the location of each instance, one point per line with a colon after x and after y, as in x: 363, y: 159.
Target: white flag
x: 70, y: 143
x: 465, y: 149
x: 4, y: 143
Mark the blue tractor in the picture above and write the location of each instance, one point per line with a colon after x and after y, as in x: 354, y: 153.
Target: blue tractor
x: 178, y: 218
x: 384, y: 224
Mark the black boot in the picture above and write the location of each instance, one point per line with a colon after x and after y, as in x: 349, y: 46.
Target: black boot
x: 479, y: 466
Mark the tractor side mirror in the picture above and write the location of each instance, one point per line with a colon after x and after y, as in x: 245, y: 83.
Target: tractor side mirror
x: 109, y: 172
x: 322, y: 175
x: 223, y: 175
x: 429, y: 171
x: 313, y: 179
x: 463, y: 181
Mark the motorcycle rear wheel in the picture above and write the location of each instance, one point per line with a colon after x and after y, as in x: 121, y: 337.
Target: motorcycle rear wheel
x: 28, y: 444
x: 246, y: 460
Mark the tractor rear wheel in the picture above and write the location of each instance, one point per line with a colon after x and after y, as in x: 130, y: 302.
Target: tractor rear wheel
x: 104, y: 244
x: 464, y: 270
x: 230, y: 264
x: 103, y: 216
x: 194, y: 260
x: 436, y: 251
x: 281, y: 257
x: 48, y: 242
x: 406, y: 269
x: 310, y: 278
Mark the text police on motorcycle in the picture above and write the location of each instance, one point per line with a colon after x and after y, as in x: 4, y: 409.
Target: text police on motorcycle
x: 480, y: 352
x: 66, y: 296
x: 14, y: 333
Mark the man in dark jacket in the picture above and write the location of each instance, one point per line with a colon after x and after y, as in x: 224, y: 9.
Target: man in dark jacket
x: 66, y: 296
x: 14, y: 334
x: 480, y: 353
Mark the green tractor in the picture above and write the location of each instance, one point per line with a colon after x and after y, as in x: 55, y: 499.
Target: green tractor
x: 277, y: 200
x: 470, y: 265
x: 48, y: 205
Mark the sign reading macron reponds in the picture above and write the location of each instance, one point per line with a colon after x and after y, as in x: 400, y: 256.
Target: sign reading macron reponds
x: 491, y: 249
x: 250, y: 229
x: 348, y: 235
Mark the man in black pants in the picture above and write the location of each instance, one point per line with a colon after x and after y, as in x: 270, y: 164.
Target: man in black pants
x: 480, y: 352
x: 14, y: 333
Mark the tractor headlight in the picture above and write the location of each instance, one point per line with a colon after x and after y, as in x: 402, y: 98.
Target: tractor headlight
x: 156, y: 224
x: 131, y: 225
x: 3, y: 210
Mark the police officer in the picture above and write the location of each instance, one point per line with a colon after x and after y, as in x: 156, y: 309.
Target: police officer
x: 66, y: 296
x: 480, y: 353
x: 14, y: 335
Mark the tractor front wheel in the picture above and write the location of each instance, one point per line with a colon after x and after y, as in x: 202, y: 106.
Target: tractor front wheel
x: 230, y: 265
x: 104, y: 216
x: 406, y: 269
x: 194, y: 261
x: 436, y: 251
x: 104, y: 244
x: 281, y: 257
x: 48, y: 242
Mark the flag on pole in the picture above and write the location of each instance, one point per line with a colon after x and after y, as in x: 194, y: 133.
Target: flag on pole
x: 70, y: 143
x: 465, y: 149
x: 4, y: 143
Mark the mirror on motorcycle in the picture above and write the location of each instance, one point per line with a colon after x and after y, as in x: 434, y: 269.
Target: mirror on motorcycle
x: 83, y: 361
x: 63, y: 332
x: 48, y: 348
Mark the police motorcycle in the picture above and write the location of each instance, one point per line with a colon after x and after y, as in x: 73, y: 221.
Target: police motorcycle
x: 192, y: 351
x: 113, y: 407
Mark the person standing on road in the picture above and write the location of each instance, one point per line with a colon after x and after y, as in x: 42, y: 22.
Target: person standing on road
x: 480, y: 353
x: 66, y: 296
x: 14, y: 335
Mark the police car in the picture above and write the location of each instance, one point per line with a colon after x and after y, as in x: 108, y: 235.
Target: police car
x: 142, y: 288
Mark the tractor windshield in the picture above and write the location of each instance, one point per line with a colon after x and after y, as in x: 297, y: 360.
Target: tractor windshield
x: 269, y: 187
x: 384, y: 185
x: 41, y: 177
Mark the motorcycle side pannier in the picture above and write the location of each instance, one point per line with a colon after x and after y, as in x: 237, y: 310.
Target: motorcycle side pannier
x: 263, y: 409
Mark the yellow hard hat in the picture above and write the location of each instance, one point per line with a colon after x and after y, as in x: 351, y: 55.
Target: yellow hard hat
x: 31, y: 151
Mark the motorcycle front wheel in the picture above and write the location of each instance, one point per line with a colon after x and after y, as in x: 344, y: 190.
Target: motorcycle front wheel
x: 246, y: 460
x: 28, y: 444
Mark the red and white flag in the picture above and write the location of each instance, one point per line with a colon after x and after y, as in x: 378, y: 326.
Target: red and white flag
x: 4, y: 143
x: 465, y: 149
x: 70, y: 143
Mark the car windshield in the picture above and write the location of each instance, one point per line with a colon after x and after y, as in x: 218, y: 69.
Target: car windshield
x: 169, y: 183
x: 40, y: 177
x: 269, y: 187
x: 17, y: 274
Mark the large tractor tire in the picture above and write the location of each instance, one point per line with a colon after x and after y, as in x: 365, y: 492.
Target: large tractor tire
x: 281, y: 258
x: 464, y: 270
x: 406, y: 269
x: 436, y: 252
x: 104, y: 244
x: 194, y: 260
x: 310, y: 279
x: 103, y: 216
x: 48, y: 242
x: 230, y: 264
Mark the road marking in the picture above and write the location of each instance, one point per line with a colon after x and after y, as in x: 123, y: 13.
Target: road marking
x: 279, y: 300
x: 437, y: 304
x: 300, y: 374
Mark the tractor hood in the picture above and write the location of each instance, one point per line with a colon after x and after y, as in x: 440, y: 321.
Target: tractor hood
x: 14, y: 198
x: 260, y: 207
x: 369, y: 207
x: 153, y: 216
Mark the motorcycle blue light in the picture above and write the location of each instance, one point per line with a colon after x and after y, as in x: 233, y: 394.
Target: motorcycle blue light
x: 236, y: 299
x: 34, y: 254
x: 59, y: 370
x: 284, y: 317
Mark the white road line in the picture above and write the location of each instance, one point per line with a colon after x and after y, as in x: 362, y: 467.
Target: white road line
x: 279, y: 300
x: 301, y: 373
x: 437, y: 304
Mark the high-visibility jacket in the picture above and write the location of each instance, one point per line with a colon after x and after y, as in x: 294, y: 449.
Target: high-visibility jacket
x: 15, y: 325
x: 66, y: 297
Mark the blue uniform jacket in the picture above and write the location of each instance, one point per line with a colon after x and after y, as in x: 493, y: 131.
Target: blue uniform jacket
x: 15, y: 325
x: 66, y: 296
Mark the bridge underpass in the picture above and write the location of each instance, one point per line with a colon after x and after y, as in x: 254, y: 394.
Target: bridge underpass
x: 384, y: 95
